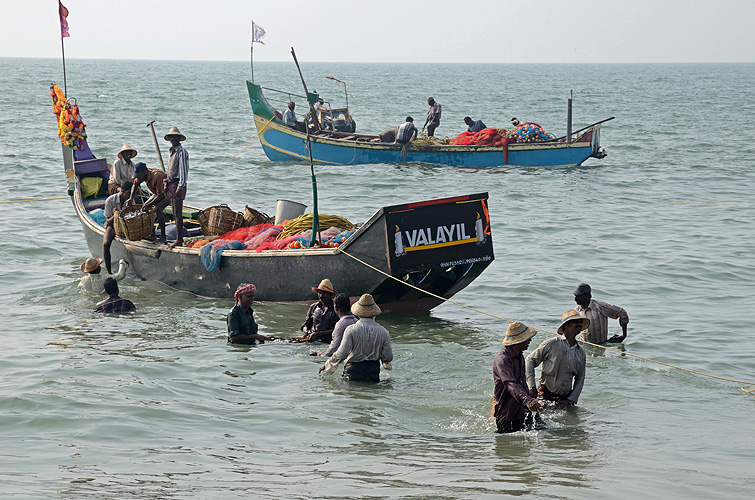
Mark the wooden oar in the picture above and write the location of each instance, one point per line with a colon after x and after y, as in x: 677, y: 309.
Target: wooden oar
x: 157, y: 146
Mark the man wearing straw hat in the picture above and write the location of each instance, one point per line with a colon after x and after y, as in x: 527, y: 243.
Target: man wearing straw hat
x: 174, y: 186
x: 513, y: 403
x: 321, y: 316
x: 122, y: 170
x: 113, y: 204
x: 598, y: 313
x: 563, y: 360
x: 94, y: 279
x: 364, y: 346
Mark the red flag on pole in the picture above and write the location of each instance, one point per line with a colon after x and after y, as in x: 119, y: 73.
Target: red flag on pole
x: 63, y: 21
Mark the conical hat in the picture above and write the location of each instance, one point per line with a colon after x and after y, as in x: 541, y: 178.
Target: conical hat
x: 126, y: 147
x: 175, y: 132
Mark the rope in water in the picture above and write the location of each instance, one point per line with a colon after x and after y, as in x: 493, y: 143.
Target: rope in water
x: 255, y: 137
x: 36, y: 199
x: 546, y: 331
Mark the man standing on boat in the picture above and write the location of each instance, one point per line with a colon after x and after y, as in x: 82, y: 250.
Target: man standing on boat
x: 406, y: 130
x: 513, y: 403
x: 321, y: 316
x: 123, y: 169
x: 563, y: 360
x: 155, y: 180
x: 598, y: 313
x: 364, y: 346
x: 175, y: 184
x: 433, y: 116
x: 114, y: 203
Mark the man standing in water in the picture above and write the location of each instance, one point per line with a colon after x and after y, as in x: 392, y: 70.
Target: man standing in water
x: 364, y: 346
x: 563, y: 373
x: 512, y: 403
x: 598, y: 313
x: 321, y: 316
x: 175, y: 183
x: 242, y: 329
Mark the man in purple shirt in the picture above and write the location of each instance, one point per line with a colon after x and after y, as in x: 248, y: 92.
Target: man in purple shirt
x: 342, y: 305
x: 513, y: 403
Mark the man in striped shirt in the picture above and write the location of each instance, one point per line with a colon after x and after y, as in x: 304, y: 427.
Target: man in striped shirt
x: 406, y: 131
x: 598, y: 313
x: 175, y: 183
x: 114, y: 303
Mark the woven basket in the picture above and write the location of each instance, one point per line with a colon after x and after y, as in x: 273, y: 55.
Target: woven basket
x: 218, y: 220
x: 252, y: 217
x: 136, y: 227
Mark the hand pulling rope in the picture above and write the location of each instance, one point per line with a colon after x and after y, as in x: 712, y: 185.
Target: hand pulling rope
x: 546, y: 331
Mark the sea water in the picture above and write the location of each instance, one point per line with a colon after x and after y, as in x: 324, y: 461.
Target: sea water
x: 156, y: 405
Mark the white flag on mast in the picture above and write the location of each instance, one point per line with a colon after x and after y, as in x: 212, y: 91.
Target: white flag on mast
x: 257, y: 34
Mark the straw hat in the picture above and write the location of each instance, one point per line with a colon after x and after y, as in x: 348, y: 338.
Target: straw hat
x: 126, y: 147
x: 572, y: 315
x: 325, y: 286
x: 90, y: 264
x: 518, y: 332
x: 174, y: 131
x: 365, y: 307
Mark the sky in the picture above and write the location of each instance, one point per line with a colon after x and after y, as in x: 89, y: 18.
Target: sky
x: 437, y: 31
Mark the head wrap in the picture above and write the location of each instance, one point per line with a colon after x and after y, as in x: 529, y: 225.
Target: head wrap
x: 241, y: 290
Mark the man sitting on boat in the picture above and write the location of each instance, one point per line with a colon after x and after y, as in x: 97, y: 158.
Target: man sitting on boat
x: 114, y: 203
x: 433, y: 116
x: 406, y: 130
x: 94, y: 280
x: 474, y: 126
x: 122, y: 170
x: 321, y: 316
x: 114, y: 303
x: 242, y: 329
x: 289, y: 118
x: 155, y: 180
x: 364, y: 346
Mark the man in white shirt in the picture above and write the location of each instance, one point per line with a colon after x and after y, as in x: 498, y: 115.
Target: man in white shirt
x: 289, y: 118
x: 122, y: 170
x: 598, y: 313
x: 563, y: 359
x: 94, y: 279
x: 364, y: 346
x: 114, y: 203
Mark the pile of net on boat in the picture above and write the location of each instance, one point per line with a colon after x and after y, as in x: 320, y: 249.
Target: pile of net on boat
x: 524, y: 133
x: 295, y: 234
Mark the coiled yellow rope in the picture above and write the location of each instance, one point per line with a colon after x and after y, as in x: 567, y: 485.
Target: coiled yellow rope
x: 304, y: 222
x: 750, y: 391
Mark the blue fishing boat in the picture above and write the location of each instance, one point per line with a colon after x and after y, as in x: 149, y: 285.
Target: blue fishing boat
x: 332, y: 147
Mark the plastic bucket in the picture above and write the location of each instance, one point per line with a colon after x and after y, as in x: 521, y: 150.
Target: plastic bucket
x: 287, y: 210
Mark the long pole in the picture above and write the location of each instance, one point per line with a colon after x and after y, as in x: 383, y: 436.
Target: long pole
x: 157, y: 146
x: 315, y: 214
x: 65, y: 83
x: 251, y: 52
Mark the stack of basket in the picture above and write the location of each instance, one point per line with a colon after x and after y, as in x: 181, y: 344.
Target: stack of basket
x: 219, y: 220
x: 134, y: 224
x: 253, y: 217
